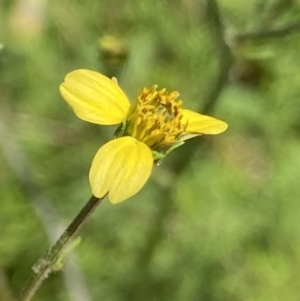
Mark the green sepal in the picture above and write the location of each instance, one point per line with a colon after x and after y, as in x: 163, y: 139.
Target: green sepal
x: 120, y: 131
x: 159, y: 156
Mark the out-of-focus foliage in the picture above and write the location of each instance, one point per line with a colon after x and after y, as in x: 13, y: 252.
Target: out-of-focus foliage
x: 227, y: 226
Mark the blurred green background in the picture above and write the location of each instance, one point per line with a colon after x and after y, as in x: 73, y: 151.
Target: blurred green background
x: 219, y: 220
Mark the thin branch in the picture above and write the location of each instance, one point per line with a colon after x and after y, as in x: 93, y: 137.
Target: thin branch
x: 44, y: 265
x: 270, y: 34
x: 224, y: 56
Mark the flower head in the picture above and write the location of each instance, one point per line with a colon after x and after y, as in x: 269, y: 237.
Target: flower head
x: 148, y: 130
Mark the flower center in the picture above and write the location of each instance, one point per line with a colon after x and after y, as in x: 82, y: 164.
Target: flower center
x: 155, y: 119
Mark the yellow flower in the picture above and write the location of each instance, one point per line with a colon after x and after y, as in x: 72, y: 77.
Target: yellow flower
x: 148, y: 131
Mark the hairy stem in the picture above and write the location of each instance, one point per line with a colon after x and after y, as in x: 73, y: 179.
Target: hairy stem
x: 44, y: 266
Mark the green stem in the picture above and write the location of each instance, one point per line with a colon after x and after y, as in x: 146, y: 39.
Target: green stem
x: 43, y: 267
x: 270, y: 33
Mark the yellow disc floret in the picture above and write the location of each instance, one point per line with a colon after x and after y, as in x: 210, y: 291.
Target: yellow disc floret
x: 155, y: 119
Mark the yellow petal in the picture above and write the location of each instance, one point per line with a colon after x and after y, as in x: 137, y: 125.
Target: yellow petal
x: 120, y: 168
x: 94, y: 97
x: 198, y: 124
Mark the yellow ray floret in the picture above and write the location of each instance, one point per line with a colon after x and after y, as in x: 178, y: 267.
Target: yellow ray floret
x: 120, y: 168
x: 94, y: 97
x: 198, y: 124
